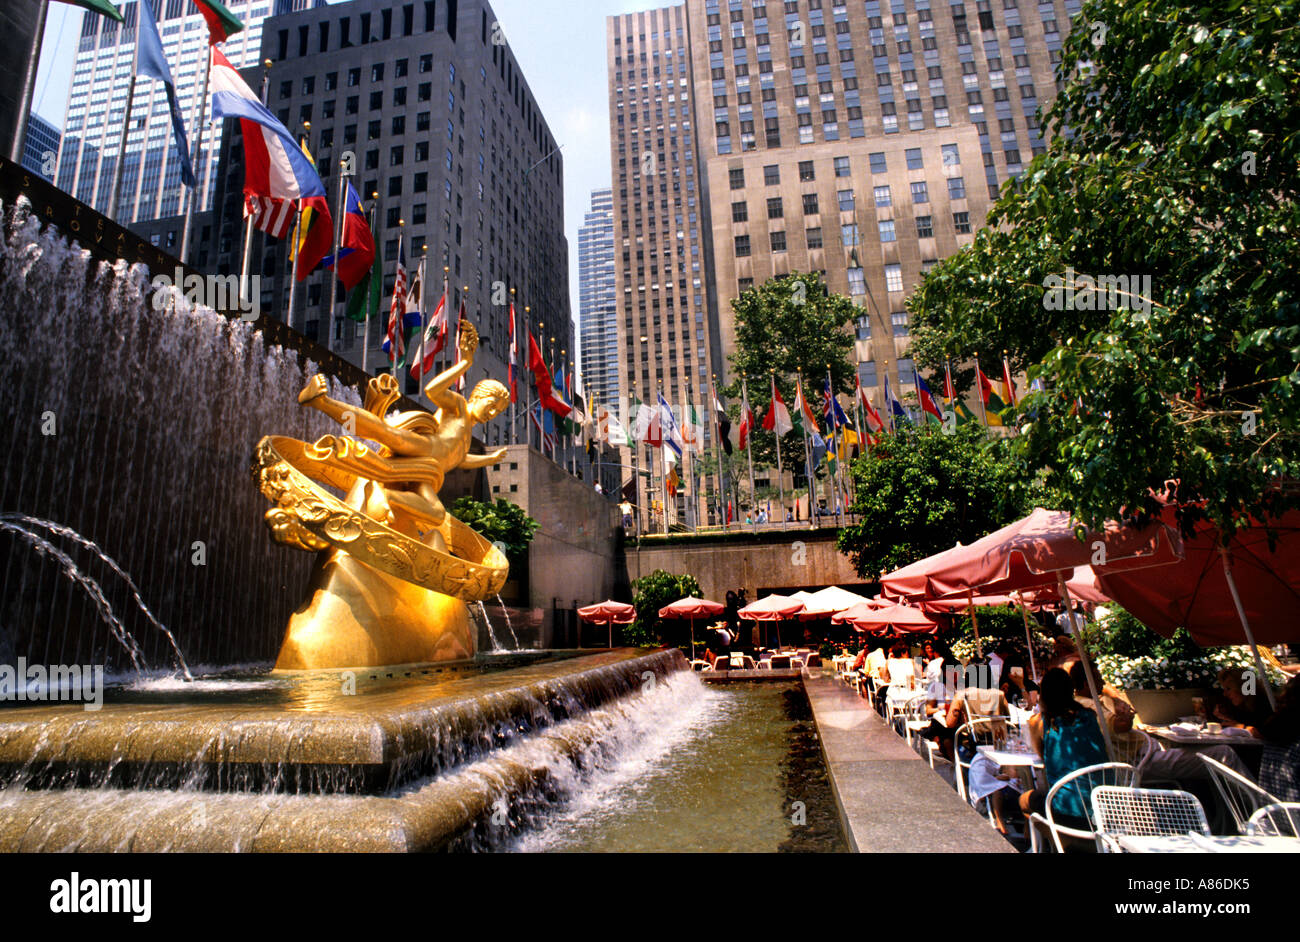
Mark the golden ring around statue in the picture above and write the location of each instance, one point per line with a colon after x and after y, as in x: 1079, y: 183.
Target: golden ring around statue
x: 309, y: 517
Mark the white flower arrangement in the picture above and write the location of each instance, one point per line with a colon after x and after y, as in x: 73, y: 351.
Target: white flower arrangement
x: 1159, y: 673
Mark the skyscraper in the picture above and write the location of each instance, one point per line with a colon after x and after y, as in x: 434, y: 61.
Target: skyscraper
x: 862, y: 141
x: 41, y: 146
x: 97, y: 97
x: 597, y: 301
x: 428, y: 104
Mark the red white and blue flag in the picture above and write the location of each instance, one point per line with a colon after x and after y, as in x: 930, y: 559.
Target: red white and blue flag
x: 514, y: 355
x: 401, y: 319
x: 357, y: 248
x: 929, y: 407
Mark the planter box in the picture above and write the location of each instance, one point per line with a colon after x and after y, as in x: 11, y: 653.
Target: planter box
x: 1162, y: 707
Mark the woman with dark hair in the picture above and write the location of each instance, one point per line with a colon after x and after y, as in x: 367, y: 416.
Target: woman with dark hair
x: 1066, y: 734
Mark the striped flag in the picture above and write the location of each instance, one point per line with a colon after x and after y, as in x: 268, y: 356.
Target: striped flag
x: 398, y: 319
x: 222, y: 24
x: 514, y: 356
x: 272, y: 216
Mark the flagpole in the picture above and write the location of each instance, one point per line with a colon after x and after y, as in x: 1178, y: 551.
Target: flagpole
x: 663, y: 457
x: 636, y: 468
x: 248, y: 217
x: 334, y: 276
x: 397, y: 329
x: 29, y: 85
x: 293, y: 249
x: 194, y: 160
x: 749, y: 452
x: 979, y: 382
x: 116, y: 189
x: 722, y: 480
x: 513, y: 369
x: 372, y: 215
x: 807, y: 450
x: 776, y: 432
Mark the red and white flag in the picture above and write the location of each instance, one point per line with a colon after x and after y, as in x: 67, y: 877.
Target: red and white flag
x: 435, y: 338
x: 746, y: 420
x: 395, y: 342
x: 514, y: 355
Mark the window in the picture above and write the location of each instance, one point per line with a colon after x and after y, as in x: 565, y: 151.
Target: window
x: 863, y: 331
x: 867, y: 368
x: 806, y: 173
x: 377, y: 72
x: 857, y: 282
x: 920, y: 193
x: 376, y: 101
x: 846, y: 200
x: 877, y: 163
x: 775, y: 209
x: 354, y: 78
x: 886, y: 227
x: 778, y: 241
x: 810, y: 204
x: 814, y: 237
x: 883, y: 197
x: 961, y: 222
x: 394, y: 186
x: 924, y: 227
x: 849, y: 235
x: 894, y: 277
x: 737, y: 179
x: 956, y: 188
x: 841, y: 166
x: 373, y: 131
x: 399, y: 124
x: 898, y: 320
x: 742, y: 246
x: 395, y: 156
x: 951, y: 157
x: 772, y: 175
x: 426, y: 63
x: 914, y: 160
x: 740, y: 212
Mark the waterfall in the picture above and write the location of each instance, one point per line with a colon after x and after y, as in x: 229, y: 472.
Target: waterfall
x: 492, y: 635
x: 505, y: 611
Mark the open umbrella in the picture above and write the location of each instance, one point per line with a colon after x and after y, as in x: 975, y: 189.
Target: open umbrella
x: 1253, y: 582
x: 610, y: 613
x: 897, y: 620
x: 692, y: 608
x: 772, y: 608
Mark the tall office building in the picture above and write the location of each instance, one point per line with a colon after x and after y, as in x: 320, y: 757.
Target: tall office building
x: 97, y: 98
x: 597, y: 301
x: 863, y: 141
x: 40, y: 146
x: 428, y: 103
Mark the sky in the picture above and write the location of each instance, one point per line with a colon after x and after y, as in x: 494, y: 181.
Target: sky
x: 559, y: 43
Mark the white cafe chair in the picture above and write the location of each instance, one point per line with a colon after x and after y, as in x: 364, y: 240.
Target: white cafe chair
x: 1147, y: 812
x: 1081, y: 782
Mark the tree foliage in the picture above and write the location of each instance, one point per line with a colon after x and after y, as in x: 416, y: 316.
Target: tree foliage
x: 921, y: 491
x: 651, y: 593
x: 1183, y: 164
x: 499, y: 522
x: 789, y: 325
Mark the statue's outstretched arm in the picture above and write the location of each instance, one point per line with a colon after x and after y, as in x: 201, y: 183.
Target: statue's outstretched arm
x: 443, y: 381
x: 361, y: 423
x: 483, y: 461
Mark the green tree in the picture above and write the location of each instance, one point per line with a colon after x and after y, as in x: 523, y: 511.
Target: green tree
x: 499, y: 522
x: 651, y: 593
x: 920, y: 491
x: 789, y: 325
x: 1183, y: 165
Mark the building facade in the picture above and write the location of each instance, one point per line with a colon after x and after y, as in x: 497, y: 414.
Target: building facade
x: 41, y: 146
x: 451, y: 156
x: 862, y: 141
x: 597, y: 302
x: 97, y: 98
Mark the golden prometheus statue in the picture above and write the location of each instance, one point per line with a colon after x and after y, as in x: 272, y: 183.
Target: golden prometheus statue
x: 398, y: 568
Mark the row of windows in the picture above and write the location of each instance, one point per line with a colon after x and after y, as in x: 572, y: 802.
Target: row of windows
x: 849, y: 235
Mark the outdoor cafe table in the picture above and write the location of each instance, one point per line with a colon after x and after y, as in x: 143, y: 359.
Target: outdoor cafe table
x: 1195, y: 738
x: 1011, y: 757
x: 1200, y: 844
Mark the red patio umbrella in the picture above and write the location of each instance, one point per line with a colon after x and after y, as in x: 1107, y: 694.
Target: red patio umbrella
x: 610, y: 613
x: 772, y: 608
x: 849, y: 614
x: 692, y: 608
x: 896, y: 619
x: 1218, y: 593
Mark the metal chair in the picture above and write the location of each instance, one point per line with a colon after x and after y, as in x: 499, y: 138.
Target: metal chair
x: 1240, y: 795
x: 985, y: 731
x: 1144, y: 811
x: 1279, y: 819
x: 1081, y: 782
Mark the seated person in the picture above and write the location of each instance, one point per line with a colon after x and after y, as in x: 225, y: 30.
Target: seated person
x: 1000, y: 786
x: 1063, y: 652
x: 1016, y: 684
x: 1243, y: 709
x: 1067, y: 736
x: 1279, y: 768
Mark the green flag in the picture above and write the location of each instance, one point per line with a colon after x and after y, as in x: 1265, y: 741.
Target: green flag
x: 368, y: 294
x: 102, y: 7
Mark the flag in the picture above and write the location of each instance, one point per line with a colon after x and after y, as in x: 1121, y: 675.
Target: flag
x: 1006, y: 380
x: 314, y: 243
x: 514, y: 354
x: 401, y: 319
x: 222, y: 24
x: 806, y: 419
x: 993, y: 403
x: 894, y: 406
x: 949, y: 390
x: 672, y: 434
x: 746, y: 420
x: 275, y: 168
x: 929, y: 408
x: 609, y: 428
x: 460, y: 322
x: 434, y: 339
x: 777, y: 419
x: 102, y: 7
x: 357, y: 246
x: 672, y: 481
x: 151, y: 62
x: 874, y: 422
x: 648, y: 427
x: 544, y: 422
x: 368, y: 296
x: 542, y: 377
x: 724, y: 423
x: 693, y: 429
x: 831, y: 409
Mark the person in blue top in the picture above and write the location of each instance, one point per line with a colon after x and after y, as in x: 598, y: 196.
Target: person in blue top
x: 1066, y: 734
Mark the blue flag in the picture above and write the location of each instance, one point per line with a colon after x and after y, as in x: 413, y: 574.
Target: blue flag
x: 150, y: 61
x: 895, y: 407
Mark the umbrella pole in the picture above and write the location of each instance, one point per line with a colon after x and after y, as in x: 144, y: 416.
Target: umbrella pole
x: 692, y: 639
x: 975, y: 623
x: 1087, y: 663
x: 610, y: 625
x: 1245, y: 624
x: 1029, y: 638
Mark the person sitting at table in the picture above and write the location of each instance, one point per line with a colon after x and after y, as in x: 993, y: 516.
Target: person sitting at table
x: 1067, y: 736
x: 1279, y: 768
x: 1016, y: 684
x: 1063, y: 652
x: 1000, y: 786
x: 1247, y: 710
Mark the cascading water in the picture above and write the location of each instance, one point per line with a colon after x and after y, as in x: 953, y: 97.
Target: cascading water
x: 487, y: 622
x: 132, y: 427
x: 510, y: 627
